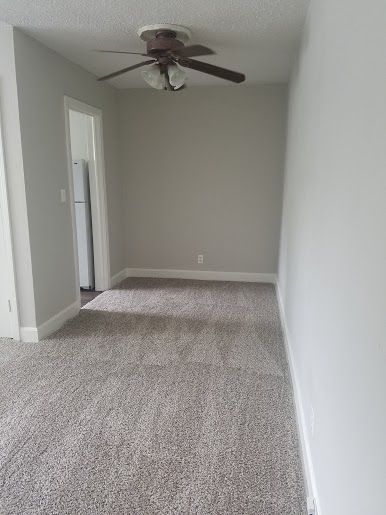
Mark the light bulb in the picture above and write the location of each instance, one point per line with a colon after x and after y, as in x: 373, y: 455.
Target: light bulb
x: 177, y: 76
x: 152, y: 75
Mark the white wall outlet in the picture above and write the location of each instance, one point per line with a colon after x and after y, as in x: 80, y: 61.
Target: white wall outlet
x: 200, y: 259
x: 312, y: 420
x: 311, y: 506
x: 63, y: 196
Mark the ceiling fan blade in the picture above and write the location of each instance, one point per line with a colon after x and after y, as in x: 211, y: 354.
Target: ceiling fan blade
x: 118, y: 52
x: 210, y: 69
x: 193, y: 51
x: 128, y: 69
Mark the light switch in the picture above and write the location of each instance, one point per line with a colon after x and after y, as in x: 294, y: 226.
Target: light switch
x: 63, y: 196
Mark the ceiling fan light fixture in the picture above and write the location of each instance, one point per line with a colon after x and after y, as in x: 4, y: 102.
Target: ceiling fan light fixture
x: 152, y: 75
x: 167, y: 50
x: 177, y: 76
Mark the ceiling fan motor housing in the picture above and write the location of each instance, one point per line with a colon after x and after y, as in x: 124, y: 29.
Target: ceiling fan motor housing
x: 164, y: 41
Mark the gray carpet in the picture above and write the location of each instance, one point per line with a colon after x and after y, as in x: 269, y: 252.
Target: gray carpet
x: 161, y: 397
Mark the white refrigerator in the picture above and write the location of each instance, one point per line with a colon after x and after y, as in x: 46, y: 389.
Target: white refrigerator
x: 83, y: 224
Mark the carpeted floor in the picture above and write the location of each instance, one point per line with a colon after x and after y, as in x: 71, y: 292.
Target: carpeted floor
x: 160, y: 397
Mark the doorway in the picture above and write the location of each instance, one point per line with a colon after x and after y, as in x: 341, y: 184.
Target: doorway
x: 84, y: 135
x: 9, y: 317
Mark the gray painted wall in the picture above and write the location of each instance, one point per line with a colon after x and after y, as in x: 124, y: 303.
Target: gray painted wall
x: 43, y: 78
x: 333, y: 249
x: 203, y: 172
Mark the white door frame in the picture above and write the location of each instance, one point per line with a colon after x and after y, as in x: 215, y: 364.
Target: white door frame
x: 97, y: 193
x: 8, y: 248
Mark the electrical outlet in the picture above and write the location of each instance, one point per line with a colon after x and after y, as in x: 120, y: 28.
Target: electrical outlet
x: 311, y: 506
x: 312, y: 420
x: 200, y: 259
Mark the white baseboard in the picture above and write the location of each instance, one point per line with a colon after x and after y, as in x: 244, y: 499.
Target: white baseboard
x: 312, y: 491
x: 204, y: 275
x: 117, y: 278
x: 35, y: 334
x: 55, y: 322
x: 29, y: 334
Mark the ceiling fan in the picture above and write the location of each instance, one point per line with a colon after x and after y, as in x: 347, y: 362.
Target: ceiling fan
x: 168, y: 53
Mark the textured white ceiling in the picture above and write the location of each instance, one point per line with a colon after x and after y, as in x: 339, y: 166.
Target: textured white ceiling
x: 256, y: 37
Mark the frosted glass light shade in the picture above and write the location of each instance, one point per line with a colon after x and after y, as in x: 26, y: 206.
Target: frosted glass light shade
x: 177, y: 76
x: 153, y: 77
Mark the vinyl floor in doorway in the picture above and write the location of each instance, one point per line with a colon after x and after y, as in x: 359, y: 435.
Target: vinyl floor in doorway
x: 87, y: 295
x: 160, y: 397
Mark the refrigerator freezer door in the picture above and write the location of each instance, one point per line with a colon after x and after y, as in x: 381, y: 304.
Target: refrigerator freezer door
x: 81, y: 184
x: 85, y: 250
